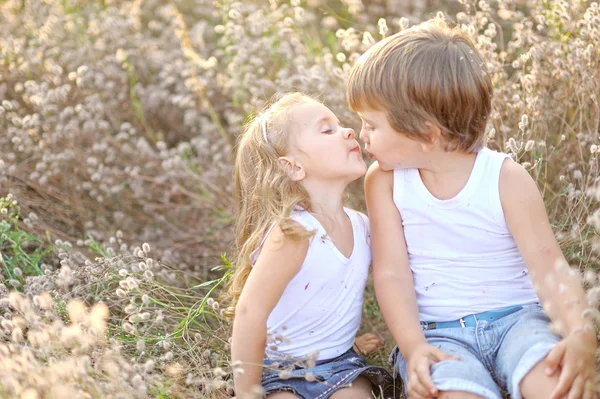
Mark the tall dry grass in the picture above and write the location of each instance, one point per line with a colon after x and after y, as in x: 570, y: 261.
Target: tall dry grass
x: 118, y: 120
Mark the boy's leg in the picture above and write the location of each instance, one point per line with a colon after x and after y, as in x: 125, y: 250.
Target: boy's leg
x: 463, y: 378
x: 536, y: 384
x: 523, y: 348
x: 360, y: 389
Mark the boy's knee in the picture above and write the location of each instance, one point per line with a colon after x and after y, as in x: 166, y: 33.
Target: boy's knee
x: 537, y: 384
x: 458, y: 395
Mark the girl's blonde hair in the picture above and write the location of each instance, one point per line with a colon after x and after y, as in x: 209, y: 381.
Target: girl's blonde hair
x: 264, y: 194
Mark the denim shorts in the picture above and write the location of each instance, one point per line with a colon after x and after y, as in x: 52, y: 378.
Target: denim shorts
x: 325, y: 377
x: 493, y: 356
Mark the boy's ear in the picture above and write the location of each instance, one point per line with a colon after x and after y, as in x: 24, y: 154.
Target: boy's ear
x: 433, y: 135
x: 294, y: 170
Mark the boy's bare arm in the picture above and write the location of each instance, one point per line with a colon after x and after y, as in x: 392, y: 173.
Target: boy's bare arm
x: 557, y: 286
x: 528, y: 222
x: 394, y: 285
x: 392, y: 277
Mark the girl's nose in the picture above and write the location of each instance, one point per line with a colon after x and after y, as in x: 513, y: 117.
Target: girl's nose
x: 349, y: 133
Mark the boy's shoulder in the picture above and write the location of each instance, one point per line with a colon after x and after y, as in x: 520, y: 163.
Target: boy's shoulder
x: 378, y: 175
x: 514, y: 177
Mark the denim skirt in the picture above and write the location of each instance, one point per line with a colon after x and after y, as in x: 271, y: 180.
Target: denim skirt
x: 324, y: 377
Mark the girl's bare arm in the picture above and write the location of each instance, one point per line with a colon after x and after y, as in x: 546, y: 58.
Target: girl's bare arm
x: 279, y: 260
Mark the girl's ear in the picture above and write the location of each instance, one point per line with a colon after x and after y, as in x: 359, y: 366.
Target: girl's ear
x: 433, y: 136
x: 294, y: 170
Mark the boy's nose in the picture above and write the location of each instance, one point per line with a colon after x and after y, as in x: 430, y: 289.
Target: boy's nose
x: 363, y: 136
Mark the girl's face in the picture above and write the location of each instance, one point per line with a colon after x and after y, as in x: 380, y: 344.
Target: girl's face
x: 326, y: 150
x: 392, y: 149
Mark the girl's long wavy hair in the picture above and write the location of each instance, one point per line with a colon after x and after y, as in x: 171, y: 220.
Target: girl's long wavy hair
x: 263, y: 192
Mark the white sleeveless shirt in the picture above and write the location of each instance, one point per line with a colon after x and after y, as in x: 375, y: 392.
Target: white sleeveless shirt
x: 321, y: 307
x: 463, y: 258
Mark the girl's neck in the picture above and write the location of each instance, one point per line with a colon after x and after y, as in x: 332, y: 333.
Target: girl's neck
x: 326, y: 199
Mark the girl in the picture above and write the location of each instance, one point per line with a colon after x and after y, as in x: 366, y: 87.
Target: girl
x: 303, y: 258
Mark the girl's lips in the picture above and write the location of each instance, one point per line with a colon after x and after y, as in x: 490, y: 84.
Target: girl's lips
x: 356, y: 149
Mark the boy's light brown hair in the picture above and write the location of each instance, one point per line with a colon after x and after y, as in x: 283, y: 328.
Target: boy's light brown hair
x: 430, y: 72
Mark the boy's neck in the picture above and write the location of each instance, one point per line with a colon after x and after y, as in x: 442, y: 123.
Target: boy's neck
x: 443, y: 163
x: 447, y: 173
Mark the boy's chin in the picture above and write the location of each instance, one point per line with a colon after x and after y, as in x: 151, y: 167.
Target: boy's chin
x: 384, y: 166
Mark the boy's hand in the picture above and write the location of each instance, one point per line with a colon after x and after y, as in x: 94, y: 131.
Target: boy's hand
x: 574, y: 356
x: 420, y: 385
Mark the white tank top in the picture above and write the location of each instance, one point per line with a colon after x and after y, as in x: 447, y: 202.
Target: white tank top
x: 321, y: 307
x: 463, y: 258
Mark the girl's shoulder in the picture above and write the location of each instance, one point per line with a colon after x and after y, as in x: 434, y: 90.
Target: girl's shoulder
x: 358, y: 219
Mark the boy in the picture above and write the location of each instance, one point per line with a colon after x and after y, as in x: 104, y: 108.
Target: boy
x: 459, y: 232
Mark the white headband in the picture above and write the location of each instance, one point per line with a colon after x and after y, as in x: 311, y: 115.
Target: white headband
x: 263, y: 125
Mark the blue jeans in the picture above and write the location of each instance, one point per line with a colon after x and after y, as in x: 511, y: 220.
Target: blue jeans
x: 493, y: 356
x: 328, y: 376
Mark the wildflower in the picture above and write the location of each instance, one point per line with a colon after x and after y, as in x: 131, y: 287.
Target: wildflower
x: 17, y: 272
x: 14, y: 283
x: 589, y: 277
x: 218, y: 372
x: 310, y: 377
x: 127, y: 327
x: 29, y: 393
x: 149, y: 366
x: 120, y: 293
x: 17, y: 335
x: 593, y: 148
x: 529, y: 145
x: 148, y: 275
x: 6, y: 324
x: 403, y: 23
x: 129, y: 309
x: 76, y: 309
x: 123, y: 273
x: 512, y: 145
x: 215, y: 306
x: 368, y: 39
x: 145, y: 299
x: 285, y: 374
x: 44, y: 300
x: 140, y: 345
x: 146, y: 248
x: 383, y: 29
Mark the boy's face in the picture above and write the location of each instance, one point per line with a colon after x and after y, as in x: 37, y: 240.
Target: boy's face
x: 392, y: 149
